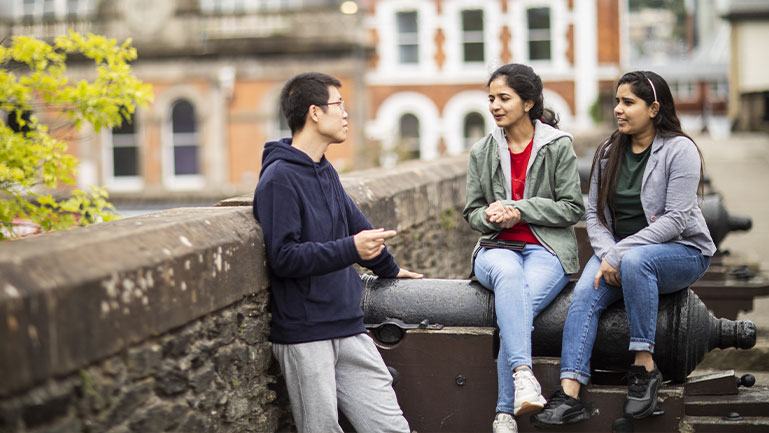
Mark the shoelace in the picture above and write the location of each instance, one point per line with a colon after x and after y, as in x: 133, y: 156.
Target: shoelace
x: 531, y: 380
x: 637, y: 384
x: 557, y: 398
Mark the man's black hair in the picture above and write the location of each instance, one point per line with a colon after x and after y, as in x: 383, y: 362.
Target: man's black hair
x: 301, y: 91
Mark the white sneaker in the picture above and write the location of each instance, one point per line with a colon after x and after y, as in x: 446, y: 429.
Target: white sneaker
x: 528, y: 394
x: 504, y: 423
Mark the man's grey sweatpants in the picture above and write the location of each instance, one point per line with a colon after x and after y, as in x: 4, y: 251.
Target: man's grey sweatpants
x: 345, y: 371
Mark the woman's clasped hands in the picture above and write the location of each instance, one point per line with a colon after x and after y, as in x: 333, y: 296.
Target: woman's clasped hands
x: 504, y: 216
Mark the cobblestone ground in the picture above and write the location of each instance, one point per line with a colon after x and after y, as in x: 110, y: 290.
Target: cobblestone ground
x: 739, y: 168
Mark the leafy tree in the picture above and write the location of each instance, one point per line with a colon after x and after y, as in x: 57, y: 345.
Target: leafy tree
x: 32, y: 159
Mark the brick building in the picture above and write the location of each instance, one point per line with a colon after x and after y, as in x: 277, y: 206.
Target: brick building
x: 426, y: 79
x: 413, y: 74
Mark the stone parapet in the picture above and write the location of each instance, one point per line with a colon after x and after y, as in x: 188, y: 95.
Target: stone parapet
x: 73, y: 297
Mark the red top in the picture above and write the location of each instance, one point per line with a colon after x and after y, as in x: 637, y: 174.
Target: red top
x: 518, y: 164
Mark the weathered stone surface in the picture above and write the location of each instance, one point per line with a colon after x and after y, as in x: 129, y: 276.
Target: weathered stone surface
x: 144, y: 361
x: 171, y: 381
x: 158, y: 418
x: 70, y: 298
x: 237, y: 408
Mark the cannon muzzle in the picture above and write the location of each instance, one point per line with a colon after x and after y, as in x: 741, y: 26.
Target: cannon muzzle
x: 686, y: 331
x: 718, y: 219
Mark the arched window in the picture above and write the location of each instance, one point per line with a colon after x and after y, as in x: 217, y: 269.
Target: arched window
x: 125, y: 150
x: 185, y: 139
x: 408, y: 137
x: 474, y: 128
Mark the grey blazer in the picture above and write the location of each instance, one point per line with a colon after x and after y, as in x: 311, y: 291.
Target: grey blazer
x: 669, y: 200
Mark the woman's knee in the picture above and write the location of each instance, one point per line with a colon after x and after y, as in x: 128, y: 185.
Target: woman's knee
x: 636, y: 260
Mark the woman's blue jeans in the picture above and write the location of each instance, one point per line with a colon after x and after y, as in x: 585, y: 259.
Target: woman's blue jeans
x: 524, y: 283
x: 646, y: 272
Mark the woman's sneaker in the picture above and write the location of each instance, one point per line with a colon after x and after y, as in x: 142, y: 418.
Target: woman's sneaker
x: 560, y: 409
x: 504, y: 423
x: 528, y: 394
x: 642, y: 389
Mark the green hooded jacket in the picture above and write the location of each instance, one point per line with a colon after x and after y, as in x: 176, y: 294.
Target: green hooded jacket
x: 552, y: 200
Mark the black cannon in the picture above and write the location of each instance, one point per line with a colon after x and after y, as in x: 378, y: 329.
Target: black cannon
x: 720, y: 222
x: 686, y: 331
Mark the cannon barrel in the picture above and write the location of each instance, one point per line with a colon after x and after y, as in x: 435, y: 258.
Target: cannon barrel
x: 686, y: 331
x: 718, y: 219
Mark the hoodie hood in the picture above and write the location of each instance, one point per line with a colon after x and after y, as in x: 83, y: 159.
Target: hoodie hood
x: 543, y: 135
x: 282, y: 150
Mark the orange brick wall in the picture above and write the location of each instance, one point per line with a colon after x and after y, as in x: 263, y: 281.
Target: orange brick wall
x: 608, y: 31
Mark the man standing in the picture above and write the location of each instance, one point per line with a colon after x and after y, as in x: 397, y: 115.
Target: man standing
x: 313, y: 234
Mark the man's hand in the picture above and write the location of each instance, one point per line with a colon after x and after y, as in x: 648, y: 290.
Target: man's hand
x: 504, y: 216
x: 609, y: 274
x: 404, y: 273
x: 370, y: 243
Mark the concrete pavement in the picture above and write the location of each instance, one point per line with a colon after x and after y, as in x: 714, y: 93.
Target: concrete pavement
x: 739, y: 169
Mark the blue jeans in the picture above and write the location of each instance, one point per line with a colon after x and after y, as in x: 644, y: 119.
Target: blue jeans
x: 524, y: 283
x: 646, y: 272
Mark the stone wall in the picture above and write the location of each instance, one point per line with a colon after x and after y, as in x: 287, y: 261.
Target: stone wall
x: 160, y: 322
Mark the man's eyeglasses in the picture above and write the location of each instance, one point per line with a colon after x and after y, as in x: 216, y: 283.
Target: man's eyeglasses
x: 339, y: 103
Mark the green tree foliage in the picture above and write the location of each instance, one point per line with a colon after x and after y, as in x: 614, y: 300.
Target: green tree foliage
x: 33, y: 80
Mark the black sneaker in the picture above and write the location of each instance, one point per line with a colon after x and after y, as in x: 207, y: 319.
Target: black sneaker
x: 560, y: 409
x: 642, y: 389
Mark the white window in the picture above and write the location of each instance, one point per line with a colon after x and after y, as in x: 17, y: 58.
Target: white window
x: 29, y: 8
x: 125, y: 150
x: 185, y: 141
x: 408, y: 37
x: 474, y: 128
x: 219, y: 6
x: 408, y: 137
x: 472, y: 35
x: 683, y: 90
x: 540, y: 37
x: 49, y: 9
x: 719, y: 90
x: 122, y: 157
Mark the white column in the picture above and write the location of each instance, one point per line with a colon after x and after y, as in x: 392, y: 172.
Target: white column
x: 585, y: 61
x: 218, y: 151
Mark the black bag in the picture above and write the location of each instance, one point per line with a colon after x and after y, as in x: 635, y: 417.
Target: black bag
x: 500, y: 243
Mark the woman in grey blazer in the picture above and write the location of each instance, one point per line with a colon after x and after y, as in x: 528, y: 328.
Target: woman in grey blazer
x: 649, y: 238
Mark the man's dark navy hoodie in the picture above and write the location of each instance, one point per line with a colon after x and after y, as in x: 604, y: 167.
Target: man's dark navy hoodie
x: 309, y: 222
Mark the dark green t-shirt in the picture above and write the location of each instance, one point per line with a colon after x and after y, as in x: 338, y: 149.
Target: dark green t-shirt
x: 628, y: 213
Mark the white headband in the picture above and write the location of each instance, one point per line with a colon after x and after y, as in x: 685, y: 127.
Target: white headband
x: 653, y: 89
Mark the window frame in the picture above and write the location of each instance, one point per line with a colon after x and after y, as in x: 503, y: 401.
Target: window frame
x: 473, y: 36
x: 182, y: 181
x: 407, y: 39
x: 534, y: 35
x: 121, y: 183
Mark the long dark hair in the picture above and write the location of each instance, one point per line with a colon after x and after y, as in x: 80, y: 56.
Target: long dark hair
x: 528, y: 86
x: 651, y: 88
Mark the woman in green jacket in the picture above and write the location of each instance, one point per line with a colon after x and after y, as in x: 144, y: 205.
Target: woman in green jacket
x: 523, y: 196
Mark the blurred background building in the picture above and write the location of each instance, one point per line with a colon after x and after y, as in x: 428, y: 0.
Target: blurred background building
x: 687, y: 42
x: 413, y: 74
x: 427, y: 74
x: 216, y: 67
x: 748, y: 76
